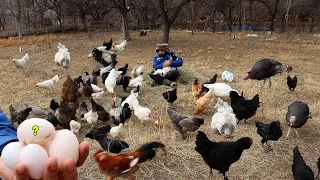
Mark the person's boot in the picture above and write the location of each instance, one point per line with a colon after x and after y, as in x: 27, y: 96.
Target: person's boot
x: 169, y: 83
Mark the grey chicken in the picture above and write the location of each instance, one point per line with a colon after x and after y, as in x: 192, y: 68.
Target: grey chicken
x: 183, y: 123
x: 19, y: 115
x: 36, y: 110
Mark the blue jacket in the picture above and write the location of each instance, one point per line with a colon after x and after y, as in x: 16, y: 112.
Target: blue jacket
x: 158, y: 60
x: 8, y: 133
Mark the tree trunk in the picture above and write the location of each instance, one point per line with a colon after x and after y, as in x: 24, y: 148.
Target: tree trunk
x: 125, y: 25
x: 214, y: 21
x: 251, y: 17
x: 84, y: 21
x: 313, y: 21
x: 19, y: 31
x: 166, y: 32
x: 230, y: 19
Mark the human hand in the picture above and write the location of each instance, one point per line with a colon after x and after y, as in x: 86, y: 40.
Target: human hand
x: 51, y: 172
x: 167, y: 63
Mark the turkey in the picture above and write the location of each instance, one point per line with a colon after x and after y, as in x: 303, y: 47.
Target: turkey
x: 264, y: 69
x: 297, y: 115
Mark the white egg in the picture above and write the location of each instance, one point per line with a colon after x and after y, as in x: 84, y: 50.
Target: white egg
x: 34, y: 157
x: 64, y: 145
x: 10, y: 154
x: 35, y: 131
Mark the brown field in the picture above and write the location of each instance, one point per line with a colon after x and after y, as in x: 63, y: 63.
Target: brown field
x: 183, y: 162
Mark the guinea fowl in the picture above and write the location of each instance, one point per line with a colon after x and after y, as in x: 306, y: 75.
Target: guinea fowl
x: 292, y: 82
x: 264, y: 69
x: 170, y: 96
x: 19, y: 115
x: 242, y: 108
x: 268, y: 132
x: 300, y: 170
x: 297, y: 115
x: 220, y: 155
x: 183, y: 123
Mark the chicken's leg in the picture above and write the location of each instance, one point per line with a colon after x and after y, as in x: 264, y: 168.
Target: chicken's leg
x: 269, y: 82
x: 288, y: 133
x: 210, y: 170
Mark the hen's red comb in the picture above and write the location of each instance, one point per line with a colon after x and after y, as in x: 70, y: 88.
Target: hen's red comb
x: 97, y: 155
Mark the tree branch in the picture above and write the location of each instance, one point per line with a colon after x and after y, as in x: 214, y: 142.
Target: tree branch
x: 178, y: 10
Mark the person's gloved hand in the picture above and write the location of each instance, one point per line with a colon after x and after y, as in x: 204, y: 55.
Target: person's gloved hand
x: 167, y: 63
x: 51, y: 172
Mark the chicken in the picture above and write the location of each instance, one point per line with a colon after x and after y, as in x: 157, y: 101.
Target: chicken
x: 242, y: 108
x: 120, y: 47
x: 136, y: 81
x: 170, y: 96
x: 66, y: 112
x: 269, y: 132
x: 124, y: 69
x: 96, y: 89
x: 21, y: 63
x: 210, y: 81
x: 185, y: 124
x: 292, y: 83
x: 125, y: 113
x: 300, y: 170
x: 48, y: 84
x: 264, y: 69
x: 93, y: 78
x: 111, y: 80
x: 124, y: 81
x: 70, y: 91
x: 103, y: 56
x: 222, y: 106
x: 125, y: 165
x: 52, y: 119
x: 36, y: 110
x: 136, y: 90
x: 164, y: 71
x: 103, y: 115
x: 111, y: 145
x: 83, y: 109
x: 115, y: 112
x: 102, y: 130
x: 104, y: 70
x: 297, y: 115
x: 144, y: 114
x: 219, y: 89
x: 54, y: 105
x: 75, y: 126
x: 220, y: 155
x: 98, y: 95
x: 116, y: 130
x: 78, y: 81
x: 137, y: 72
x: 62, y: 57
x: 132, y: 100
x: 91, y: 117
x: 196, y: 89
x: 224, y: 121
x: 19, y: 115
x: 203, y: 102
x: 87, y: 88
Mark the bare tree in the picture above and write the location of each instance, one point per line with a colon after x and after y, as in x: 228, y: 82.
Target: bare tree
x: 56, y: 6
x: 15, y: 8
x: 272, y: 6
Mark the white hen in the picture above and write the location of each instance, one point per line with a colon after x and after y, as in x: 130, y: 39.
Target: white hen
x: 21, y: 63
x: 91, y: 117
x: 136, y: 81
x: 111, y: 80
x: 98, y: 95
x: 62, y: 57
x: 132, y: 100
x: 225, y: 122
x: 47, y: 84
x: 95, y: 88
x: 222, y: 106
x: 220, y: 89
x: 137, y: 72
x: 143, y: 113
x: 120, y: 47
x: 116, y: 130
x: 75, y: 126
x: 164, y: 71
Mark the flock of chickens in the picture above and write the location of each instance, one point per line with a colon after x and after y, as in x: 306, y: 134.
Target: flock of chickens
x: 217, y: 155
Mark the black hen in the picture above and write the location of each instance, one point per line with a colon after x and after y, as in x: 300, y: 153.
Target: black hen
x: 300, y: 170
x: 124, y: 81
x: 102, y: 130
x: 292, y: 82
x: 170, y: 96
x: 220, y: 155
x: 124, y: 69
x: 108, y: 45
x: 297, y: 115
x: 78, y: 81
x: 103, y: 115
x: 270, y: 131
x: 242, y: 108
x: 54, y: 105
x: 148, y: 151
x: 52, y: 119
x: 19, y: 115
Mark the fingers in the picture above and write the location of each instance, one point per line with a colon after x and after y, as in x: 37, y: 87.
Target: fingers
x: 21, y: 172
x: 69, y: 170
x: 83, y: 153
x: 51, y: 169
x: 5, y: 172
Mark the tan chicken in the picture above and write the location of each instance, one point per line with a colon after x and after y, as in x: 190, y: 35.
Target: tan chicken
x: 196, y: 89
x: 70, y: 91
x: 203, y: 102
x: 125, y: 165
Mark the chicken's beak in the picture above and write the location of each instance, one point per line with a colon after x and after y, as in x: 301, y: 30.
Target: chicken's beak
x: 90, y: 55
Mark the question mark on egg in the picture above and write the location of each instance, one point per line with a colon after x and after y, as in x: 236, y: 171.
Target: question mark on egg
x: 35, y: 129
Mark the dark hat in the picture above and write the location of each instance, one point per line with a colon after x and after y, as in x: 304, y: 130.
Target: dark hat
x: 162, y: 46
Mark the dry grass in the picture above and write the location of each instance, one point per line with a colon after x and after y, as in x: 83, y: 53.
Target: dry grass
x: 29, y: 40
x: 183, y: 162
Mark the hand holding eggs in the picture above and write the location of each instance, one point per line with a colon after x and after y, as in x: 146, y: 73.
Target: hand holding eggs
x: 38, y: 141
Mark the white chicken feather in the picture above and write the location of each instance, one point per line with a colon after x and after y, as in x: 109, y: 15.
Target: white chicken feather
x: 111, y: 80
x: 224, y: 121
x: 136, y: 81
x: 98, y: 95
x: 62, y: 57
x: 47, y: 84
x: 21, y: 63
x: 137, y: 72
x: 220, y: 89
x: 132, y: 100
x: 164, y: 71
x: 95, y: 88
x: 91, y: 117
x: 75, y: 126
x: 222, y: 106
x: 120, y: 47
x: 116, y: 130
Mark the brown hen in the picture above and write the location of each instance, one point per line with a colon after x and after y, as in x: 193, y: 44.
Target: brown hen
x: 70, y: 91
